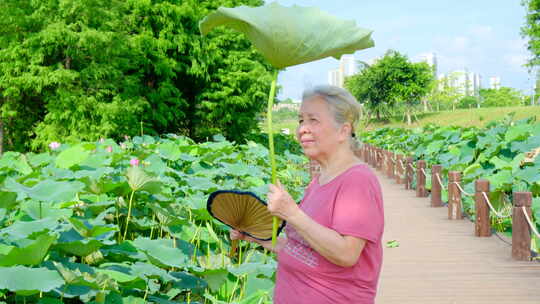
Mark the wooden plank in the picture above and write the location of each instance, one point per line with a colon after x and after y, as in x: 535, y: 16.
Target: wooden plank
x: 441, y: 261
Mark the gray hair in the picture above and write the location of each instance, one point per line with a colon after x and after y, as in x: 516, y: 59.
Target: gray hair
x: 344, y: 107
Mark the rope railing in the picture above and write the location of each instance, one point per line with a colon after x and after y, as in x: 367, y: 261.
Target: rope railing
x: 401, y: 164
x: 424, y: 172
x: 499, y: 215
x: 523, y: 227
x: 533, y: 228
x: 461, y: 189
x: 440, y: 181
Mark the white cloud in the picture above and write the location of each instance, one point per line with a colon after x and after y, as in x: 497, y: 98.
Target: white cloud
x: 481, y: 31
x: 516, y: 61
x: 460, y: 43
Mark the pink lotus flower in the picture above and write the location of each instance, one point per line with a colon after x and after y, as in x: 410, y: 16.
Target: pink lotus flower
x: 54, y: 145
x: 134, y: 162
x: 109, y: 149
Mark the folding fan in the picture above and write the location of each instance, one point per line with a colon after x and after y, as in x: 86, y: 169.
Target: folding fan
x: 242, y: 211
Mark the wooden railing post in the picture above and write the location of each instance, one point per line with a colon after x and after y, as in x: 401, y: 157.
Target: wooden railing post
x: 391, y: 166
x: 372, y: 156
x: 369, y: 155
x: 384, y: 159
x: 421, y: 179
x: 380, y: 158
x: 364, y: 153
x: 408, y: 173
x: 521, y: 231
x: 482, y: 225
x: 436, y: 188
x: 454, y: 196
x: 399, y: 169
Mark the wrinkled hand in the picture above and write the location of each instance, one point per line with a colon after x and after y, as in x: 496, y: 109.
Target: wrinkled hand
x: 280, y: 202
x: 237, y: 235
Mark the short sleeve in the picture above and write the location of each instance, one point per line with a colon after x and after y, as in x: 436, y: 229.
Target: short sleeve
x: 358, y: 209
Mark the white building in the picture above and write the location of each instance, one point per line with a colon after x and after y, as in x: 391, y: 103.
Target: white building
x: 495, y: 82
x: 467, y: 83
x: 347, y: 67
x: 431, y: 59
x: 335, y: 78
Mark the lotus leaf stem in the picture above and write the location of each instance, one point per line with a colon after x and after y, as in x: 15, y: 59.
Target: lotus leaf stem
x: 271, y: 148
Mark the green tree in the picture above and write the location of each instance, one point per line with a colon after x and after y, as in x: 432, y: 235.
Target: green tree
x: 531, y: 30
x: 444, y: 95
x: 503, y: 97
x: 80, y: 70
x: 468, y: 102
x: 371, y: 89
x: 392, y: 80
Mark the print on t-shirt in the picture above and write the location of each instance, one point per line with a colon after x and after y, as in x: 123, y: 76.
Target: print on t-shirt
x: 298, y: 248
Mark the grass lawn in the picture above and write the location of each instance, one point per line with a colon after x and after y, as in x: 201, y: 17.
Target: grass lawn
x: 460, y: 117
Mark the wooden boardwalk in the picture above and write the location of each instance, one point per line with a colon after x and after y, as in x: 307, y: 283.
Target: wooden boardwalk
x: 440, y: 261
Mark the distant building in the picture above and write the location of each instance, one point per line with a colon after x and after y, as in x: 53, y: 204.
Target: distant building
x: 495, y: 82
x: 347, y: 67
x: 335, y: 78
x: 431, y: 59
x: 467, y: 83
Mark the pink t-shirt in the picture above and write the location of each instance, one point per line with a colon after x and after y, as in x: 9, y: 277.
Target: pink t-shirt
x: 350, y: 204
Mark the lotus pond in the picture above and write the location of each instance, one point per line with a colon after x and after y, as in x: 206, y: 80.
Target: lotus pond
x: 102, y: 222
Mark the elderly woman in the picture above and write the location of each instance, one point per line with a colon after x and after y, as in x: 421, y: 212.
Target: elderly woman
x: 332, y: 252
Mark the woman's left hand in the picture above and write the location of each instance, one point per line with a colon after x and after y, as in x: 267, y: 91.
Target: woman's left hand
x: 280, y: 202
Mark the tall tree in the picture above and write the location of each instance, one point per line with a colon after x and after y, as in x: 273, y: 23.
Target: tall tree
x: 531, y: 30
x: 502, y: 97
x: 444, y: 95
x: 80, y: 70
x: 392, y: 80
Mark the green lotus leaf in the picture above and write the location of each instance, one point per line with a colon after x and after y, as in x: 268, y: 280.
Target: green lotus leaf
x: 288, y: 36
x: 22, y: 229
x: 162, y: 253
x: 31, y: 254
x: 29, y: 280
x: 72, y: 156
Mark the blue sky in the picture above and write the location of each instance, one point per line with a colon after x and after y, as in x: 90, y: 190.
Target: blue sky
x: 480, y: 35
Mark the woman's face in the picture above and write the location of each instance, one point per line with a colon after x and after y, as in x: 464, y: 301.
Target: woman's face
x: 317, y: 131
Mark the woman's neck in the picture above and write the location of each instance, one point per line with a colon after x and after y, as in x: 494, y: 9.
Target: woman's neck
x: 336, y: 164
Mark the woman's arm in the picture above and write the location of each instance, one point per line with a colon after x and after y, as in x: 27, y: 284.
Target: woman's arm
x: 340, y: 250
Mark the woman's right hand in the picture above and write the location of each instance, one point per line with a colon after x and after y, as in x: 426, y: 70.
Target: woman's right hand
x: 237, y: 235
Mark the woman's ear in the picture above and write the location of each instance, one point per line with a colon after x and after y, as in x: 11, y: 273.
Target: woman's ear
x: 346, y: 130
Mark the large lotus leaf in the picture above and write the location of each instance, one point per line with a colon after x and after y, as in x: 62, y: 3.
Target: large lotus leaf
x: 256, y: 285
x: 32, y: 254
x: 288, y: 36
x: 72, y: 242
x: 139, y: 180
x: 8, y: 199
x: 22, y: 229
x: 163, y: 253
x: 72, y: 156
x: 187, y: 281
x: 29, y: 280
x: 15, y: 161
x: 39, y: 210
x: 53, y: 191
